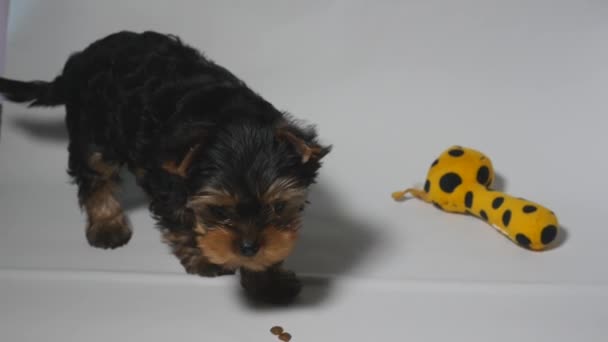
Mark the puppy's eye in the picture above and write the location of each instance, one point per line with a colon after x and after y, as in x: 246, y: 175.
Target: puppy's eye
x: 219, y: 213
x: 279, y: 207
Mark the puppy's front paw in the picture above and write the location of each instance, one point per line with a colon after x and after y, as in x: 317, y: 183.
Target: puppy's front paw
x: 275, y: 286
x: 111, y: 233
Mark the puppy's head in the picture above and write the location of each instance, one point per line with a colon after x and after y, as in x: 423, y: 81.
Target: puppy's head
x: 250, y: 184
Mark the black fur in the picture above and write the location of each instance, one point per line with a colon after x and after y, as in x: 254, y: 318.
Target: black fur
x: 140, y: 99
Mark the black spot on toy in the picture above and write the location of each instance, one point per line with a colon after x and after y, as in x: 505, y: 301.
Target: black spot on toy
x: 528, y: 209
x: 483, y: 175
x: 548, y: 234
x: 468, y: 199
x: 457, y: 152
x: 497, y: 202
x: 449, y: 182
x: 427, y: 186
x: 506, y: 218
x: 483, y: 215
x: 523, y: 240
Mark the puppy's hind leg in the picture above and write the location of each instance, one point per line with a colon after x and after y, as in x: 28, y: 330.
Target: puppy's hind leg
x: 107, y: 224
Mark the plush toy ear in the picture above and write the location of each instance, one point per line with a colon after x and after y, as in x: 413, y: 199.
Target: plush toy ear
x: 181, y: 169
x: 309, y: 150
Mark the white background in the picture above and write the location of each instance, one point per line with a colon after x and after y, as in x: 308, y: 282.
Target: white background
x: 391, y: 85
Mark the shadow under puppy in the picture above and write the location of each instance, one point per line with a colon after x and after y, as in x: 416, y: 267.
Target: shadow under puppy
x: 226, y: 173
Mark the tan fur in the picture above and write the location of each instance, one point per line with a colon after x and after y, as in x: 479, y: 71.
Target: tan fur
x: 101, y: 204
x: 200, y: 229
x: 284, y: 189
x: 105, y: 171
x: 183, y: 245
x: 219, y: 247
x: 107, y: 227
x: 182, y: 248
x: 181, y: 169
x: 307, y: 152
x: 210, y: 196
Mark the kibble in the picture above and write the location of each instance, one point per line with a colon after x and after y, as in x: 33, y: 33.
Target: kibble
x: 285, y: 337
x: 276, y: 330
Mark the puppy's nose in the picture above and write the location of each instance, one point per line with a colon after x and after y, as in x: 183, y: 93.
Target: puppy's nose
x: 249, y: 248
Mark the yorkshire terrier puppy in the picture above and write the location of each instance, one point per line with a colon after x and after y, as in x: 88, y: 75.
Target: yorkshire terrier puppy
x: 226, y: 173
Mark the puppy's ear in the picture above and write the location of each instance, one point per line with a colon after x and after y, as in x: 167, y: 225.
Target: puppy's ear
x: 180, y: 145
x: 303, y: 142
x: 181, y: 169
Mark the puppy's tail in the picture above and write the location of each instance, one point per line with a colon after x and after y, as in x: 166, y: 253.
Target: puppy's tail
x: 34, y: 93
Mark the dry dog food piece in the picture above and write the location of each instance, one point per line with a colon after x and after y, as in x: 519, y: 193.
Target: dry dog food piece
x: 276, y: 330
x: 285, y: 337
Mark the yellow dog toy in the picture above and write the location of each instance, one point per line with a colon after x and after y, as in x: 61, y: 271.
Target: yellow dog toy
x: 459, y: 181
